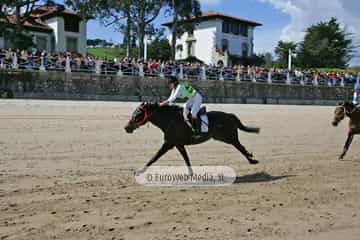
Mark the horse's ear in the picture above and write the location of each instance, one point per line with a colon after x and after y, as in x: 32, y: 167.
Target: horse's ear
x: 154, y: 105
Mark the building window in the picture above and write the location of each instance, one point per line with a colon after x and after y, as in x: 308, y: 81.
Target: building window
x: 191, y: 33
x: 191, y: 48
x: 244, y: 30
x: 71, y: 23
x: 224, y: 45
x: 52, y: 44
x: 245, y: 50
x: 225, y: 27
x: 179, y: 48
x: 71, y: 44
x: 41, y: 43
x: 235, y: 28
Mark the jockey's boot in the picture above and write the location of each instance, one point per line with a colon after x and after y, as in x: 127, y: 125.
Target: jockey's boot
x: 196, y: 123
x: 193, y: 125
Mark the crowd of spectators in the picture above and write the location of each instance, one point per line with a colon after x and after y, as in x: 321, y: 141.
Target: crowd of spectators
x: 130, y: 66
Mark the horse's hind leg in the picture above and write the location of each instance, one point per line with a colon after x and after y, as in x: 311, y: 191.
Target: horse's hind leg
x: 184, y: 154
x: 347, y: 145
x: 248, y: 155
x: 164, y: 149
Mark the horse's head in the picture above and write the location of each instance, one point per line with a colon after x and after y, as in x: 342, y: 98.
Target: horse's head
x: 140, y: 116
x: 340, y: 112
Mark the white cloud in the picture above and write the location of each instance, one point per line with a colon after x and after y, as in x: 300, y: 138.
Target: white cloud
x: 211, y: 2
x: 304, y: 13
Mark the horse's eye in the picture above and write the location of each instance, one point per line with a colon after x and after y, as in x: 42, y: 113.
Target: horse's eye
x: 137, y: 114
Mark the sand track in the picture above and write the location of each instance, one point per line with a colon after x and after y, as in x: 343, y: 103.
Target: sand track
x: 66, y: 172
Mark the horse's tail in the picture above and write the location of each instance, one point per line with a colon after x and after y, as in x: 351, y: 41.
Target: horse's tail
x: 245, y: 128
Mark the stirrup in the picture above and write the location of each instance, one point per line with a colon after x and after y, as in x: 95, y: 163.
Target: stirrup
x: 196, y: 135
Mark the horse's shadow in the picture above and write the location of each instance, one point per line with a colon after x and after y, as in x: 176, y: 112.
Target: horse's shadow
x: 258, y: 178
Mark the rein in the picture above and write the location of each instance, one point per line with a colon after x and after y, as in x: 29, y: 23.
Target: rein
x: 347, y: 112
x: 147, y: 116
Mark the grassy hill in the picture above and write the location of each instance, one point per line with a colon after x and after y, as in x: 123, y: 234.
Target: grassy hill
x: 355, y: 69
x: 107, y: 52
x: 112, y: 53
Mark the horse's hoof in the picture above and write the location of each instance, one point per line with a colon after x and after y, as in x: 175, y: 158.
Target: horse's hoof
x: 254, y: 162
x: 191, y: 173
x: 139, y: 172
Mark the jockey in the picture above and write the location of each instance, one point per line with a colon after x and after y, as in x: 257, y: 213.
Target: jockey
x: 356, y: 96
x: 194, y: 101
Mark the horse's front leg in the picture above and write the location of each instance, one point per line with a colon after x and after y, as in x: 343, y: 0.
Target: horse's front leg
x: 347, y: 145
x: 164, y: 149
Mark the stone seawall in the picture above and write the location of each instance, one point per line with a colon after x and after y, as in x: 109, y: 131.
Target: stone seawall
x: 84, y: 86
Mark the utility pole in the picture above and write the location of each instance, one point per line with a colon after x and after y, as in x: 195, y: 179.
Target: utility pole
x: 290, y: 59
x: 145, y: 46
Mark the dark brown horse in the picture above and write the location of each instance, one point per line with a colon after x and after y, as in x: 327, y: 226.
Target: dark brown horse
x: 222, y: 127
x: 350, y: 110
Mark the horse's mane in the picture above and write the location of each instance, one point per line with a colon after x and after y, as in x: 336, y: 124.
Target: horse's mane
x: 347, y: 104
x: 170, y: 108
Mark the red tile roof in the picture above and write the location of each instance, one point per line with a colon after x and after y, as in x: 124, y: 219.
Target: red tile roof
x: 214, y: 14
x: 46, y: 12
x: 31, y: 24
x: 38, y: 16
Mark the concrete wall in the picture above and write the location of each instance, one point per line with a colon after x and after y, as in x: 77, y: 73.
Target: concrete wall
x: 59, y: 85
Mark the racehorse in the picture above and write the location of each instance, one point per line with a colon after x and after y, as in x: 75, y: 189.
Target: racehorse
x: 350, y: 110
x: 222, y: 127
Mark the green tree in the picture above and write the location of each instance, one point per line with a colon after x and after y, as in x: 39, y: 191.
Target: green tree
x: 109, y: 13
x: 180, y: 10
x: 144, y: 12
x: 326, y: 44
x: 159, y: 48
x: 282, y: 52
x: 268, y: 58
x: 130, y: 16
x: 21, y: 10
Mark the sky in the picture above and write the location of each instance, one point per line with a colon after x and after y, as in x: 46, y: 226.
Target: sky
x: 281, y: 19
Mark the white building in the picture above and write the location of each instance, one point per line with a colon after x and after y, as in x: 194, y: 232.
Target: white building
x: 53, y: 29
x: 217, y: 39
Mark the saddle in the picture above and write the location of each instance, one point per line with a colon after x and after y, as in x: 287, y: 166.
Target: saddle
x: 202, y: 111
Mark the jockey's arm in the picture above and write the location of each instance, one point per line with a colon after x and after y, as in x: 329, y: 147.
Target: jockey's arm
x: 174, y: 95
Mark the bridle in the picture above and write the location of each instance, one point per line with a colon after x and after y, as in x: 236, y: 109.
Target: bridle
x: 147, y: 116
x: 345, y: 113
x: 348, y: 113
